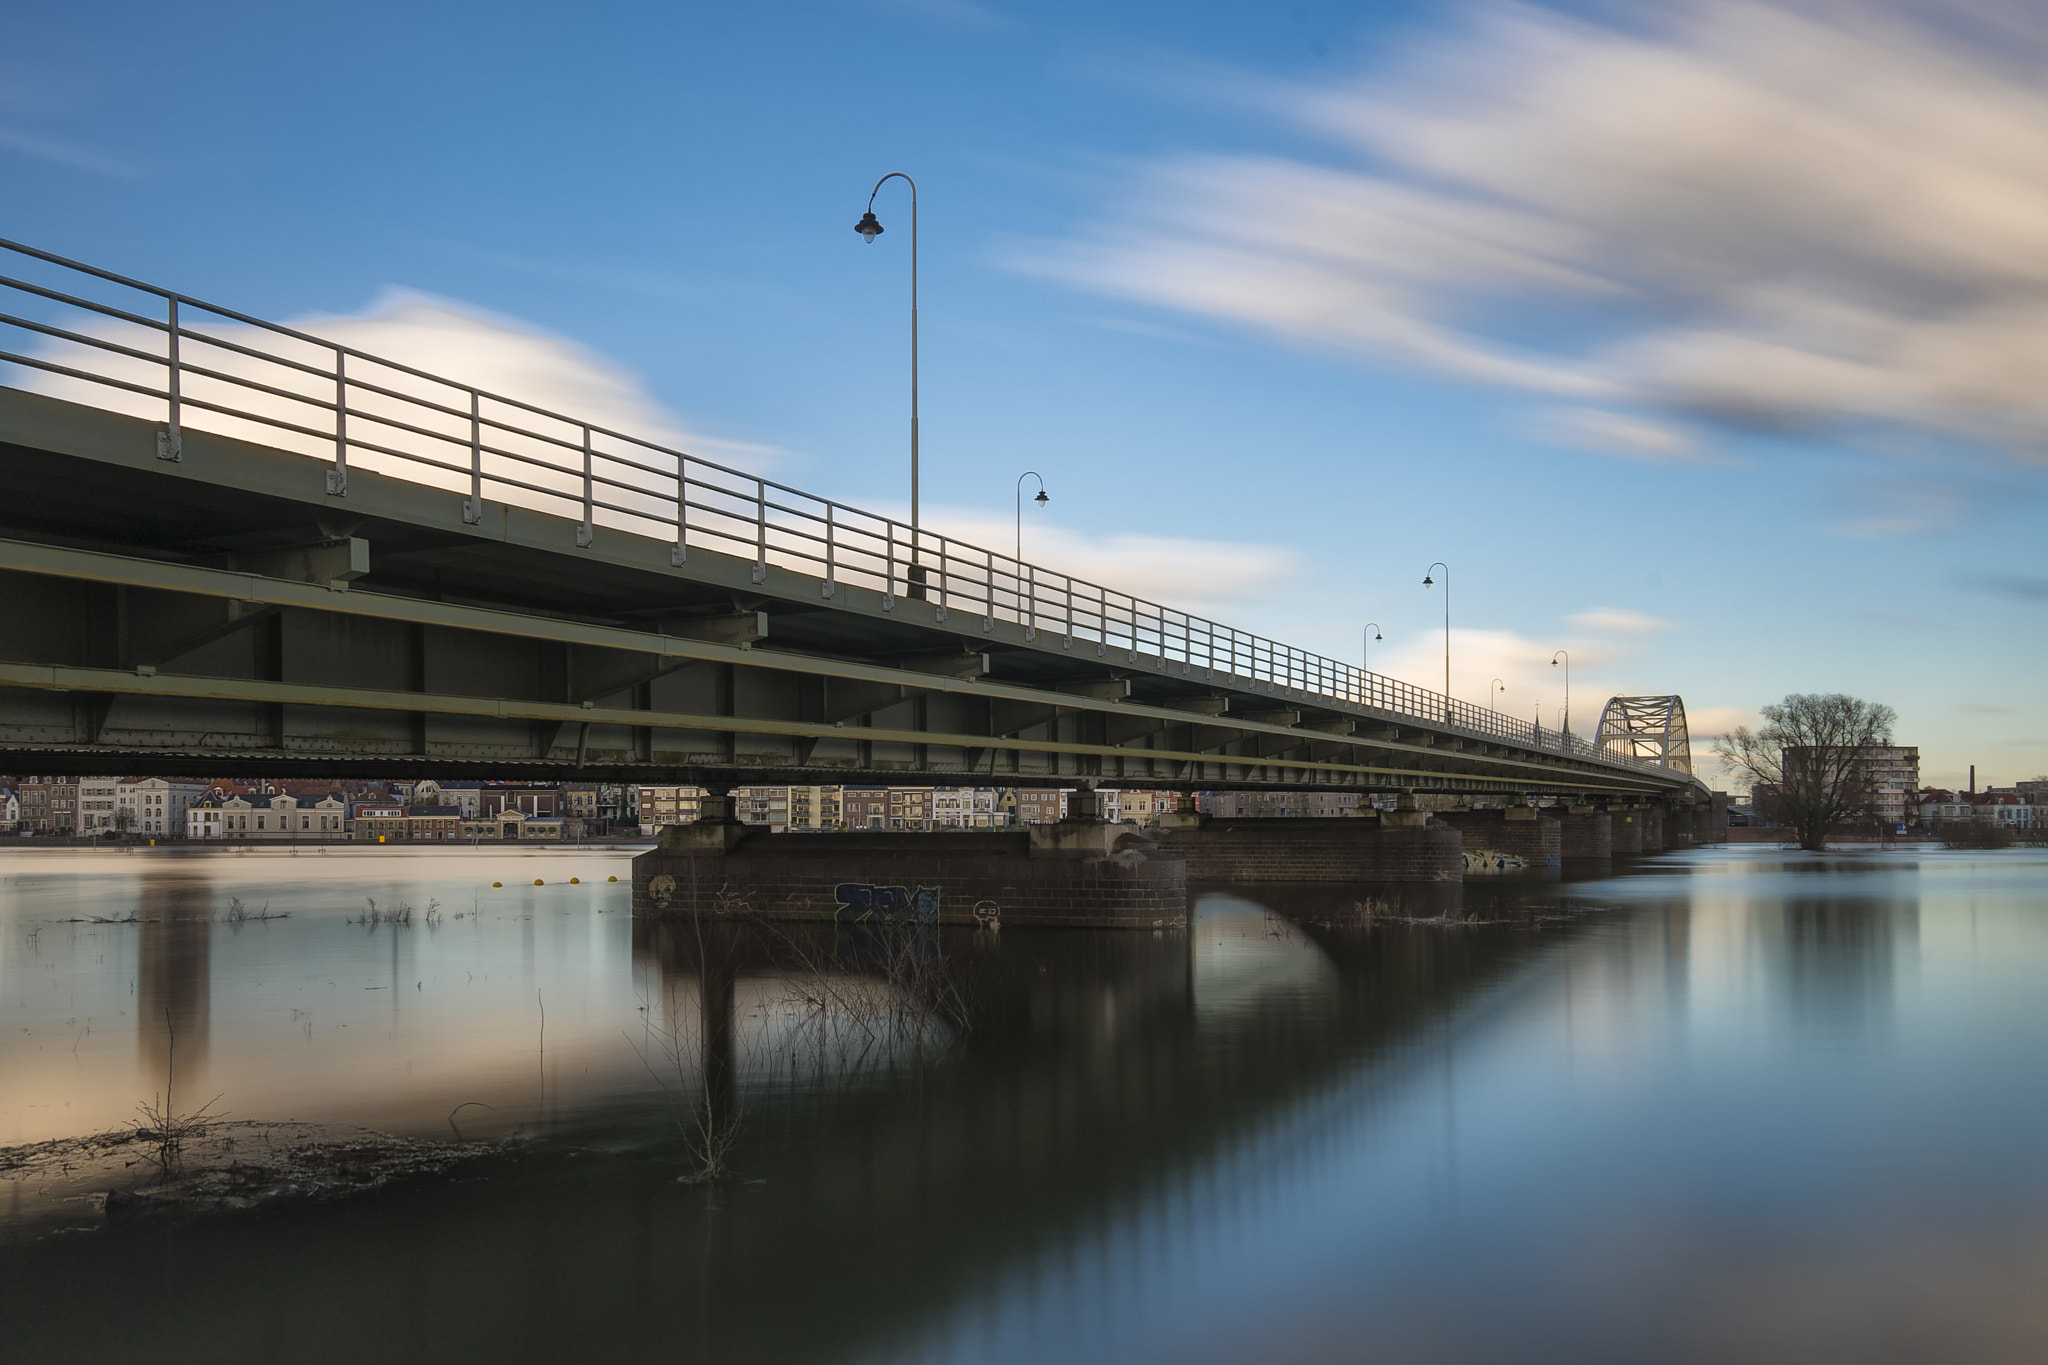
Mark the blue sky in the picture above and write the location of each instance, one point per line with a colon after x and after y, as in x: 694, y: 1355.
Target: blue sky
x: 1706, y: 345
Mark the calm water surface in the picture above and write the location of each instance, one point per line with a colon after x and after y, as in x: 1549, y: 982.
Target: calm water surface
x: 1738, y: 1104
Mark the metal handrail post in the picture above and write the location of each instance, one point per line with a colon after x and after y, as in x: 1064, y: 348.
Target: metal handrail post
x: 830, y: 559
x: 587, y: 532
x: 170, y: 445
x: 337, y: 477
x: 680, y: 555
x: 473, y: 510
x: 760, y: 530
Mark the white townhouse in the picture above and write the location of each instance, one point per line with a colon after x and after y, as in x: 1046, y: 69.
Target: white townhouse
x: 156, y: 805
x: 268, y: 817
x: 98, y: 799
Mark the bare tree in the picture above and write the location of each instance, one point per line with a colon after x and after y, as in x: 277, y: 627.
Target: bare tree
x: 1811, y: 752
x: 124, y: 821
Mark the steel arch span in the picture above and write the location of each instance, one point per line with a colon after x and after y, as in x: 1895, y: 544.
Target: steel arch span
x: 1652, y: 728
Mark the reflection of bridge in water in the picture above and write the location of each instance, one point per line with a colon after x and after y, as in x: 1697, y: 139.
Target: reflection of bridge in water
x: 1108, y: 1068
x: 1129, y: 1100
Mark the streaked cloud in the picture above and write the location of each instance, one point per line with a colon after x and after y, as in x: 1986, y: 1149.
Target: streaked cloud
x: 1614, y: 433
x: 1748, y: 212
x: 1209, y: 577
x: 66, y: 154
x: 1614, y: 621
x: 1704, y: 722
x: 438, y: 336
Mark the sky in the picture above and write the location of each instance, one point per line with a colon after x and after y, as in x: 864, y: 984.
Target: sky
x: 1707, y: 341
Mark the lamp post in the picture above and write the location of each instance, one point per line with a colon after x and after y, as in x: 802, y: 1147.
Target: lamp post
x: 1497, y: 688
x: 1566, y: 655
x: 869, y: 228
x: 1426, y: 582
x: 1041, y: 500
x: 1371, y: 633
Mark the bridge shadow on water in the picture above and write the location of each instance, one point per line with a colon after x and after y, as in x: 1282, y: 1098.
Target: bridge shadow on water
x: 875, y: 1187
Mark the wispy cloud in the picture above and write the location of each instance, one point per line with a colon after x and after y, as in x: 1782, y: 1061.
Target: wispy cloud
x: 1614, y: 433
x: 2017, y: 585
x: 1614, y: 621
x: 436, y: 336
x: 1213, y: 577
x: 66, y: 154
x: 1752, y: 215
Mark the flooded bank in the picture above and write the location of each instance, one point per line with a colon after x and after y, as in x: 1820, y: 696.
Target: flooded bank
x: 1734, y: 1103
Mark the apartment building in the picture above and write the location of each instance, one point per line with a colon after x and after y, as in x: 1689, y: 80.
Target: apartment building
x: 816, y: 808
x: 967, y: 808
x: 910, y: 808
x: 99, y: 802
x: 283, y: 816
x: 1890, y: 773
x: 668, y: 806
x: 1277, y: 805
x: 1040, y: 805
x: 155, y: 806
x: 864, y: 807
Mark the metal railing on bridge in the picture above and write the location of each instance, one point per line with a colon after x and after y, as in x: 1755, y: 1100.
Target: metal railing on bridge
x: 189, y: 364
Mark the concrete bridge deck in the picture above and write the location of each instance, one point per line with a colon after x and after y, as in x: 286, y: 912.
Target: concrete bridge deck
x: 187, y: 585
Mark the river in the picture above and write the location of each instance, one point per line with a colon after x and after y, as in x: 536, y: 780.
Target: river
x: 1736, y: 1103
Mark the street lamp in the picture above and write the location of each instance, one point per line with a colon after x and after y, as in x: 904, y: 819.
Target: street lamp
x: 1041, y: 500
x: 1371, y: 633
x: 1497, y: 688
x: 1426, y: 582
x: 869, y: 227
x: 1566, y: 655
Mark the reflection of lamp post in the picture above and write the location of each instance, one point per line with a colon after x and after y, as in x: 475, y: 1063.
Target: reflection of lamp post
x: 869, y: 228
x: 1372, y: 632
x: 1566, y: 655
x: 1041, y: 500
x: 1427, y: 581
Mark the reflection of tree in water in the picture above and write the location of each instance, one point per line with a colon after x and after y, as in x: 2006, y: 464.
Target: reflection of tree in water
x: 1837, y: 959
x: 173, y: 981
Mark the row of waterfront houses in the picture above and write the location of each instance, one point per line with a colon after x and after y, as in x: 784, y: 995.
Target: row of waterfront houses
x: 432, y: 810
x: 824, y: 808
x: 294, y: 809
x: 2024, y: 805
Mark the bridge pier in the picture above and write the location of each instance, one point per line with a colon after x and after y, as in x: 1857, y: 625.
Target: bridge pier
x: 1625, y: 824
x: 1518, y: 831
x: 1584, y: 832
x: 1390, y: 846
x: 1075, y: 874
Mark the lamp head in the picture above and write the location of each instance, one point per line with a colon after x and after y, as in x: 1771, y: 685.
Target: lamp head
x: 1427, y: 580
x: 1377, y: 636
x: 869, y: 227
x: 1041, y: 499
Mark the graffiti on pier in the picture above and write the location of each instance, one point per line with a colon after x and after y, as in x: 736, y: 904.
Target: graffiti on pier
x: 860, y: 903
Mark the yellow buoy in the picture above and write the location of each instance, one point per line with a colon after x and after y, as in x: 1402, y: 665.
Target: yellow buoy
x: 611, y: 879
x: 538, y: 882
x: 575, y: 881
x: 497, y: 883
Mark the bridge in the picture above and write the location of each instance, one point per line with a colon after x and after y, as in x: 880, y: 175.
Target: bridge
x: 230, y: 546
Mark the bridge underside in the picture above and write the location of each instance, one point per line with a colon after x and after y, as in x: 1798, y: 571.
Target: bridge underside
x: 224, y: 613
